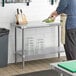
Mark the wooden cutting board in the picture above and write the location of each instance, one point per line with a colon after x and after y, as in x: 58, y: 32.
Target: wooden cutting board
x: 20, y: 18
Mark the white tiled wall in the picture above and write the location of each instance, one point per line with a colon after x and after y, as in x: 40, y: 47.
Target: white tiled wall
x: 36, y: 11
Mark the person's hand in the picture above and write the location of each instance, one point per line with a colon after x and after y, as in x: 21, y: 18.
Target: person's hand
x: 53, y: 15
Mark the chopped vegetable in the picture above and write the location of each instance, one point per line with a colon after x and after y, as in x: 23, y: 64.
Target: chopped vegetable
x: 48, y: 20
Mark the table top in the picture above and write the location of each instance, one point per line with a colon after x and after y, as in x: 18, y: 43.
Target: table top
x: 36, y: 24
x: 64, y: 71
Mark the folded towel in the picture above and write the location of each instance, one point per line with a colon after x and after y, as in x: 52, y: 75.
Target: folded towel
x: 62, y: 23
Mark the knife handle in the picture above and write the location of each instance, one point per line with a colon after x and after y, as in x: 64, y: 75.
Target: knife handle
x: 21, y: 11
x: 17, y: 11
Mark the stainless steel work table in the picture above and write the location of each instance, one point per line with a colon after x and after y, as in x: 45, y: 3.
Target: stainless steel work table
x: 31, y: 25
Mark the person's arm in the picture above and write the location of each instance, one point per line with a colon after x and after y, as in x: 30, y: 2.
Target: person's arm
x: 62, y: 5
x: 60, y: 9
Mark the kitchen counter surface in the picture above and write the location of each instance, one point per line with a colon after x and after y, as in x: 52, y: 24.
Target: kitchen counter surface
x: 34, y: 24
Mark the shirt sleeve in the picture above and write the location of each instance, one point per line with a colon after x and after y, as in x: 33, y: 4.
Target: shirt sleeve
x: 62, y: 5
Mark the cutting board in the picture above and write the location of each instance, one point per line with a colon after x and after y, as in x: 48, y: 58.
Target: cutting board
x: 20, y: 18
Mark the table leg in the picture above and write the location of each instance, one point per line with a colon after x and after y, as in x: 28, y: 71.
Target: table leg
x: 59, y: 41
x: 15, y: 45
x: 61, y: 74
x: 23, y: 55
